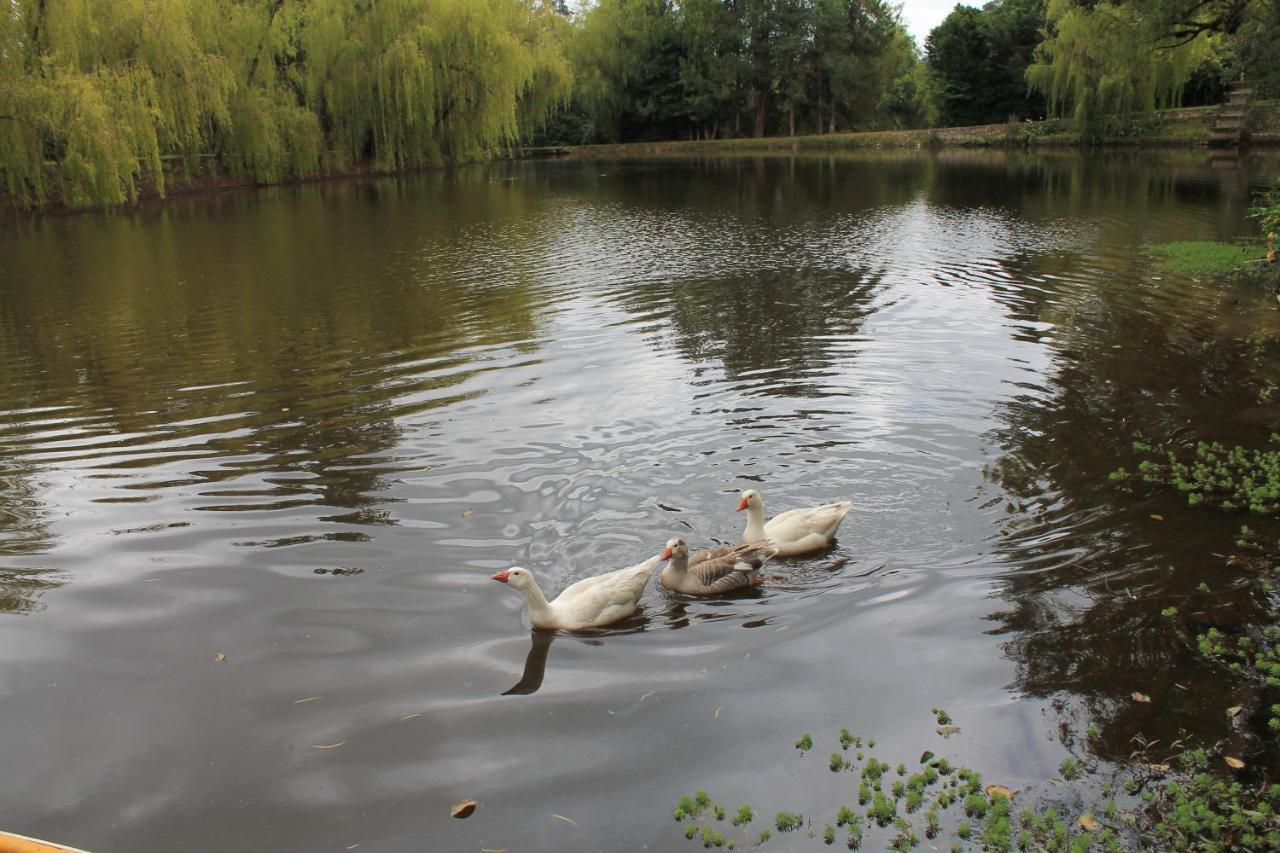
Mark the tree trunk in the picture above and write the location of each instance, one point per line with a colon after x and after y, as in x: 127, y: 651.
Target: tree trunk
x: 760, y: 108
x: 819, y: 104
x: 791, y: 120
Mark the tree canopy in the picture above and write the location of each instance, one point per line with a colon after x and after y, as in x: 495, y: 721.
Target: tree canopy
x: 97, y: 96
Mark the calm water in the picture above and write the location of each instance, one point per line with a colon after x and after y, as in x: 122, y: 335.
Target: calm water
x: 560, y: 365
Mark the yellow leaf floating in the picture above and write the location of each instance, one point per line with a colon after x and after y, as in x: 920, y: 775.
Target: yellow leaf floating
x: 1233, y: 762
x: 999, y: 791
x: 1234, y: 710
x: 463, y: 808
x: 1140, y: 697
x: 1088, y: 823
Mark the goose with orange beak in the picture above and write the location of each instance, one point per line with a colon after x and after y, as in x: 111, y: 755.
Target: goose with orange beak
x: 714, y: 571
x: 796, y: 531
x: 590, y: 603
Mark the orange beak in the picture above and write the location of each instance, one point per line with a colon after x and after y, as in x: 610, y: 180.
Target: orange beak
x: 666, y: 554
x: 742, y: 504
x: 500, y: 576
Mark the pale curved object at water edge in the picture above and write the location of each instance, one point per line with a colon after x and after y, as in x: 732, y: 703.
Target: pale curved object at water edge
x: 13, y: 843
x: 716, y: 570
x: 796, y: 531
x: 590, y: 603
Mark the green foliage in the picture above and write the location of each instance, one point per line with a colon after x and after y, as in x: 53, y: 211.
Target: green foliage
x: 1101, y: 59
x: 1267, y: 212
x: 805, y: 743
x: 1205, y: 257
x: 1207, y: 812
x: 1070, y: 769
x: 1232, y: 479
x: 788, y: 821
x: 977, y: 61
x: 656, y: 69
x: 745, y: 815
x: 98, y: 97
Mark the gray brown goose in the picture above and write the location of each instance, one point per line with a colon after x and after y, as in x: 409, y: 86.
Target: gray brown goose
x: 714, y: 571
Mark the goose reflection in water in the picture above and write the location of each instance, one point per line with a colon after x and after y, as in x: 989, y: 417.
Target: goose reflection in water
x: 535, y: 665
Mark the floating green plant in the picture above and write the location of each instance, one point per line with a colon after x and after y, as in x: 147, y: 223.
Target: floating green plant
x: 847, y: 740
x: 745, y: 815
x: 788, y: 821
x: 1069, y: 769
x: 805, y: 743
x: 944, y: 719
x: 1232, y: 479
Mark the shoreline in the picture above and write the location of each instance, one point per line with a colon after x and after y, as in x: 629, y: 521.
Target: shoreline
x: 1184, y: 128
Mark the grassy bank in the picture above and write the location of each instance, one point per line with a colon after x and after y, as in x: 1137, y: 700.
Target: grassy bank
x: 1187, y: 127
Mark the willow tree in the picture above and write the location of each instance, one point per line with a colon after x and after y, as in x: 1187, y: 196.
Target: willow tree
x: 405, y: 83
x: 94, y: 92
x: 1110, y: 59
x: 98, y: 97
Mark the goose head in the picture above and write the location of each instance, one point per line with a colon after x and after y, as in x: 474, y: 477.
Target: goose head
x: 517, y: 577
x: 750, y: 498
x: 675, y: 546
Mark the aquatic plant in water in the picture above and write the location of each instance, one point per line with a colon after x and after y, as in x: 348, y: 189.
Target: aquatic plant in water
x: 1230, y: 478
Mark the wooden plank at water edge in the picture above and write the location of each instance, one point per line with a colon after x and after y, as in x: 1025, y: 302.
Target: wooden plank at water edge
x: 10, y: 843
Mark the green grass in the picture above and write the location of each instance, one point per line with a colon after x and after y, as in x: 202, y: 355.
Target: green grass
x: 1206, y: 257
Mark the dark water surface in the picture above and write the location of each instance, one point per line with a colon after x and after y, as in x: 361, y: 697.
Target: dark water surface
x: 560, y: 365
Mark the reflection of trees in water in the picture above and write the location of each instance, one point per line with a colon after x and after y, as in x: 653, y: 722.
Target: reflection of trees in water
x: 779, y: 329
x: 258, y: 340
x: 1090, y: 568
x: 23, y: 533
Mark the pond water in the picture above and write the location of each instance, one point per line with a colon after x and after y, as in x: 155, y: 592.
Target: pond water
x: 208, y: 406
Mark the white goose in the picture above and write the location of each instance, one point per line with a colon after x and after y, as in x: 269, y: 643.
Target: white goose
x: 714, y: 571
x: 796, y: 531
x: 590, y: 603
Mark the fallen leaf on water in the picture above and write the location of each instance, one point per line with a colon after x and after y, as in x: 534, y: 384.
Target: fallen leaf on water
x: 612, y: 714
x: 948, y: 731
x: 220, y: 656
x: 716, y: 715
x: 467, y: 512
x: 463, y: 808
x: 409, y: 717
x: 1157, y: 768
x: 327, y: 745
x: 999, y: 790
x: 1157, y: 516
x: 354, y: 846
x: 1140, y: 697
x: 646, y: 696
x: 308, y: 699
x: 1087, y: 823
x: 1234, y: 710
x: 1233, y: 762
x: 925, y: 756
x: 567, y: 820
